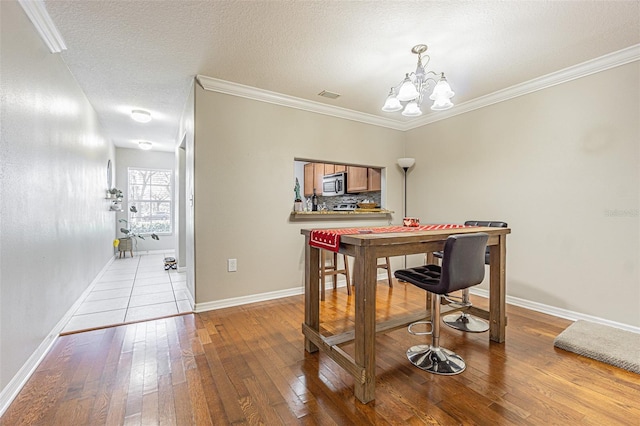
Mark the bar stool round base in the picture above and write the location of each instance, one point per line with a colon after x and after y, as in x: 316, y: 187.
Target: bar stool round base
x: 436, y: 360
x: 464, y: 322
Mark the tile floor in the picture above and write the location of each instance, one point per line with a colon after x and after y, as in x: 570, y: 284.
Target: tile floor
x: 132, y: 289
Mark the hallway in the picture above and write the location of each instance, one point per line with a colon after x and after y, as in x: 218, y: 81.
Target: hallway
x: 132, y: 289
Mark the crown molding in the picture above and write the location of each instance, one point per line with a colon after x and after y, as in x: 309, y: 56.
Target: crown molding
x: 37, y: 13
x: 574, y: 72
x: 611, y: 60
x: 235, y: 89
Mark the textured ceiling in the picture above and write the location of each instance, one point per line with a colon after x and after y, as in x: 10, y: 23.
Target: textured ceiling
x: 145, y: 54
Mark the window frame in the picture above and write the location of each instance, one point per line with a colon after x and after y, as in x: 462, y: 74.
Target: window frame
x: 138, y: 202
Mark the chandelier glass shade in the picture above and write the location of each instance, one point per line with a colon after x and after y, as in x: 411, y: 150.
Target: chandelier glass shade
x: 411, y: 91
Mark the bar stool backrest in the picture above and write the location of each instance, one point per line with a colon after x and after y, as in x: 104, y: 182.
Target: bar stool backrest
x: 462, y: 262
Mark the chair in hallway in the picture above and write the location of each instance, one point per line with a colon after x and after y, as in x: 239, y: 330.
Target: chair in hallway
x: 462, y: 267
x: 463, y: 321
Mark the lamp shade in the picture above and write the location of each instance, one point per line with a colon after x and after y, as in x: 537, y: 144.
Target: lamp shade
x: 408, y: 91
x: 406, y: 162
x: 392, y: 104
x: 441, y: 104
x: 412, y: 110
x: 442, y: 90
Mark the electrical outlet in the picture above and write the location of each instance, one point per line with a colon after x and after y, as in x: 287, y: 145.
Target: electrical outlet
x: 232, y: 265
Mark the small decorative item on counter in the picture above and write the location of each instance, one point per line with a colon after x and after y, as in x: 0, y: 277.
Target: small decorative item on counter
x: 308, y: 209
x: 314, y: 201
x: 367, y: 204
x: 411, y: 221
x: 297, y: 204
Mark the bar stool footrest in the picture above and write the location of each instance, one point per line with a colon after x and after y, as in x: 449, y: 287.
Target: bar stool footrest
x: 466, y: 322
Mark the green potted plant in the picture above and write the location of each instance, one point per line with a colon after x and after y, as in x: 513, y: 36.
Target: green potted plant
x: 115, y: 193
x: 126, y: 243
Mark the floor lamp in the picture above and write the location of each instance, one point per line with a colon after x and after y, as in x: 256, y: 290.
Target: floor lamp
x: 406, y: 164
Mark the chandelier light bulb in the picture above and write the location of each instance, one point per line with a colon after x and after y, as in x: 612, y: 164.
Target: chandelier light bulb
x: 441, y: 104
x: 442, y: 90
x: 392, y: 104
x: 412, y: 110
x: 407, y: 91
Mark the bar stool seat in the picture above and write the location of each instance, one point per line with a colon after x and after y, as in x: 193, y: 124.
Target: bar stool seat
x: 333, y: 271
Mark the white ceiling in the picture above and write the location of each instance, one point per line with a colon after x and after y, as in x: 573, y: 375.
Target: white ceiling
x: 145, y: 54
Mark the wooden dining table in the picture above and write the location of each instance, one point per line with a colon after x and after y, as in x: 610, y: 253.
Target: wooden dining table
x: 366, y: 247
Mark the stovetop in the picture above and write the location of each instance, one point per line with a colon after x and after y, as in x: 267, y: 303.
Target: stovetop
x: 345, y: 207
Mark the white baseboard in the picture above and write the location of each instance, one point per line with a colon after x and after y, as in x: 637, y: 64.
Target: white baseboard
x: 556, y: 312
x: 168, y: 251
x: 11, y: 390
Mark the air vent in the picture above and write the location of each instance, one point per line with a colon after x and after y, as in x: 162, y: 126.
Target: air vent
x: 329, y: 95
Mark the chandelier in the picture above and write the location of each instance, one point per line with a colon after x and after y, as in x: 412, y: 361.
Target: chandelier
x: 409, y: 94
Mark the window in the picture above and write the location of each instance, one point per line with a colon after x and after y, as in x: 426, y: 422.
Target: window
x: 150, y: 193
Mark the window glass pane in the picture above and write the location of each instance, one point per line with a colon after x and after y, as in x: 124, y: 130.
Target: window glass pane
x: 160, y: 193
x: 150, y: 193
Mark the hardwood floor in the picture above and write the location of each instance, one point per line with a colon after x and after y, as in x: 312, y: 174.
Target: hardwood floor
x: 247, y: 365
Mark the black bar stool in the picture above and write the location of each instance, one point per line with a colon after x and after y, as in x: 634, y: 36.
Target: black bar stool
x: 462, y: 267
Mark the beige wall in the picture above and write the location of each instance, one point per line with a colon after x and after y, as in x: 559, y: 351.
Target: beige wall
x: 138, y: 158
x: 561, y: 167
x: 244, y: 179
x: 55, y: 223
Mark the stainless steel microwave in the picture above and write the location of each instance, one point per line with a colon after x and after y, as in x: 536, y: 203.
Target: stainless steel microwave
x: 335, y: 184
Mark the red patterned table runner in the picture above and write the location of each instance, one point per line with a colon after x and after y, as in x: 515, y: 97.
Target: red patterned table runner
x: 329, y: 239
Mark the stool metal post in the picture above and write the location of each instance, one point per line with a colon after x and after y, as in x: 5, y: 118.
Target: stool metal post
x: 432, y: 357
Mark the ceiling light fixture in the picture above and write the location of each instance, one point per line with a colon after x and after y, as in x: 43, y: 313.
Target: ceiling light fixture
x: 141, y: 115
x: 145, y: 145
x: 410, y: 92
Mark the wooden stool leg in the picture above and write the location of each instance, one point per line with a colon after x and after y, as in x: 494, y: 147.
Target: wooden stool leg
x: 346, y: 273
x: 389, y: 272
x: 322, y: 274
x: 334, y: 277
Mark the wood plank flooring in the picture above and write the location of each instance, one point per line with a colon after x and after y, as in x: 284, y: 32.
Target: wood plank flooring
x: 247, y: 365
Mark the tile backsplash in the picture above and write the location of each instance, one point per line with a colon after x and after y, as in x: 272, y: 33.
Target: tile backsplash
x: 350, y: 198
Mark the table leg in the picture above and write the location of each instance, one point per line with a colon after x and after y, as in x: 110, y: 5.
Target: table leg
x: 311, y: 290
x: 497, y: 290
x: 365, y: 273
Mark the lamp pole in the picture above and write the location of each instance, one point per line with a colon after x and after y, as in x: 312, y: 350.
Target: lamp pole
x: 406, y: 164
x: 405, y: 191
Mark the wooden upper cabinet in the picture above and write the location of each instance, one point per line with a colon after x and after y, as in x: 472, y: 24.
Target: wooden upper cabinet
x: 313, y: 173
x: 318, y: 173
x: 374, y: 179
x: 357, y: 179
x: 308, y: 179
